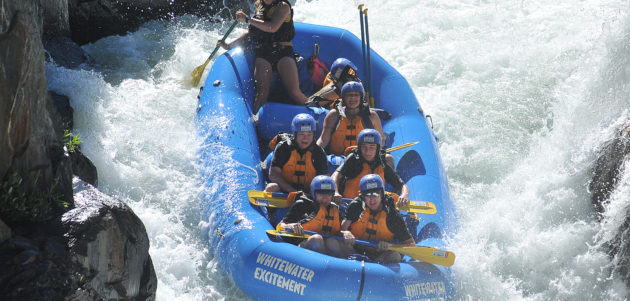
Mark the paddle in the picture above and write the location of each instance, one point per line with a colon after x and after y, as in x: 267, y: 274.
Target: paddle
x: 196, y: 74
x: 283, y: 200
x: 387, y: 151
x: 369, y: 60
x: 430, y: 255
x: 362, y: 36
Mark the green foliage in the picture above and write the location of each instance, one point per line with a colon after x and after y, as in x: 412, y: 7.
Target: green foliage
x: 18, y: 205
x: 71, y: 142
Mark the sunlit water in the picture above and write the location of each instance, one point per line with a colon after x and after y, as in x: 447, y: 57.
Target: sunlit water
x: 523, y: 94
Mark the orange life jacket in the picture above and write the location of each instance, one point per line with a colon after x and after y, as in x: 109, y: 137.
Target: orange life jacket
x: 372, y: 226
x: 351, y: 189
x: 327, y: 79
x: 299, y: 170
x: 326, y: 221
x: 345, y: 135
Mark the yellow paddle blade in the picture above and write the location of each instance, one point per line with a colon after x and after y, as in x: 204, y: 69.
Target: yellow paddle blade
x: 197, y: 72
x: 427, y: 254
x: 287, y: 234
x: 270, y: 199
x: 430, y: 255
x: 395, y: 148
x: 388, y: 150
x: 420, y: 207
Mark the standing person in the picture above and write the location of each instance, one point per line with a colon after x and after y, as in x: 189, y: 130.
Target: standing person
x: 297, y: 160
x: 318, y: 214
x: 372, y: 216
x: 343, y: 123
x: 271, y: 31
x: 368, y: 158
x: 342, y: 71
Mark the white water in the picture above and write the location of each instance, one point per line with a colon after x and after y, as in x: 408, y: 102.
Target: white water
x: 522, y: 95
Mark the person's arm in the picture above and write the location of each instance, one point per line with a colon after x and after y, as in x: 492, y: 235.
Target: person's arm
x: 376, y: 123
x: 280, y: 157
x: 235, y: 43
x: 392, y: 178
x: 275, y: 176
x: 283, y: 10
x: 353, y: 212
x: 329, y: 125
x: 397, y: 225
x: 319, y: 161
x: 337, y: 197
x: 403, y: 199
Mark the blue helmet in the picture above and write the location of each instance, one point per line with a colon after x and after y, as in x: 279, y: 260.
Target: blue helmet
x: 303, y: 123
x: 322, y: 183
x: 369, y: 136
x: 371, y: 182
x: 342, y: 66
x: 353, y: 86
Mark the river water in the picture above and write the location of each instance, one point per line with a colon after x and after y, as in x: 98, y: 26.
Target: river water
x: 522, y: 93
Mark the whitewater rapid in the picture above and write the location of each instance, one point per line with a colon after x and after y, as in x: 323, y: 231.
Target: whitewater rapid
x: 522, y: 95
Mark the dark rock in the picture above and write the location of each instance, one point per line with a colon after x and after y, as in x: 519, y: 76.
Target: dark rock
x: 28, y: 144
x: 110, y: 241
x: 608, y: 166
x: 26, y: 257
x: 83, y: 167
x: 64, y: 52
x: 66, y: 113
x: 619, y: 250
x: 606, y: 174
x: 56, y: 20
x: 21, y: 243
x: 92, y: 20
x: 5, y: 232
x: 30, y: 271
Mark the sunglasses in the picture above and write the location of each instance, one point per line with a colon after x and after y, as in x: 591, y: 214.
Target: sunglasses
x: 325, y: 192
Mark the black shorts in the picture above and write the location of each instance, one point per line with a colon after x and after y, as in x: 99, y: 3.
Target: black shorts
x: 274, y: 54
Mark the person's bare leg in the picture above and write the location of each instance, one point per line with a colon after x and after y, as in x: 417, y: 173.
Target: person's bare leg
x: 390, y: 160
x: 287, y: 69
x: 263, y: 75
x: 272, y: 187
x: 315, y: 243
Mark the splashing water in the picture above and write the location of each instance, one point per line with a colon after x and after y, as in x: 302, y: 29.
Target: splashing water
x: 523, y: 95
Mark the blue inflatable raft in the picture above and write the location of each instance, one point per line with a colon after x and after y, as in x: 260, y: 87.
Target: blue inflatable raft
x: 230, y: 166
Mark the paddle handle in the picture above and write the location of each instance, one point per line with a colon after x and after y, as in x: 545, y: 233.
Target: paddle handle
x: 227, y: 33
x: 356, y: 241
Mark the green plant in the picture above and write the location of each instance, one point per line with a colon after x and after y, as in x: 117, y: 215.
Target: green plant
x: 18, y: 205
x: 71, y: 142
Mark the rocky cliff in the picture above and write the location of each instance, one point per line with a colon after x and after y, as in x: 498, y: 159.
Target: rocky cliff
x: 608, y: 168
x: 57, y: 241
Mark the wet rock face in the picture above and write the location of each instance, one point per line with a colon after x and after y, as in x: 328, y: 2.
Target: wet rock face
x: 608, y: 166
x: 91, y: 20
x: 64, y: 52
x: 35, y: 265
x: 606, y: 174
x: 97, y: 251
x: 56, y: 19
x: 29, y: 145
x: 107, y: 239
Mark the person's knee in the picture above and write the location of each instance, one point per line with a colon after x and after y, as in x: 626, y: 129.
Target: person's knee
x: 390, y: 257
x: 315, y: 243
x: 272, y: 187
x: 297, y: 95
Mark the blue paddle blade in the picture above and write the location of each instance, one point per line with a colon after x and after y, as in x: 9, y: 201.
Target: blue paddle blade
x: 410, y: 165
